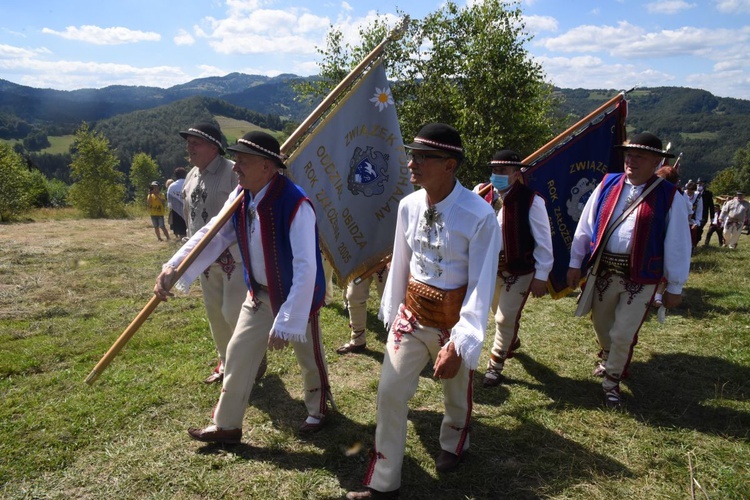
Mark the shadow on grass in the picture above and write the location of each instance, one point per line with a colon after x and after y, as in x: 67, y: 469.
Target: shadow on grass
x: 702, y: 304
x: 693, y: 392
x: 529, y: 461
x: 562, y: 390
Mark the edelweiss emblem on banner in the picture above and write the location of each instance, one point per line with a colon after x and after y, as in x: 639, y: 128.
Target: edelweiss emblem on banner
x: 367, y: 172
x: 579, y: 195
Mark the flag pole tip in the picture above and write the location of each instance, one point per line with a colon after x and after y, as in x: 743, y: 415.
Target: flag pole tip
x: 399, y: 30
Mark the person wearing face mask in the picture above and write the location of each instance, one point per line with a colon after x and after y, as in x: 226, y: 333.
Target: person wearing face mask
x: 525, y: 258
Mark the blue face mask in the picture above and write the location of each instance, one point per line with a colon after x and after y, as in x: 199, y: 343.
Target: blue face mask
x: 498, y: 181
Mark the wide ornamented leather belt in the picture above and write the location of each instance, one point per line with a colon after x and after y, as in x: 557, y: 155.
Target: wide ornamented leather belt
x: 615, y: 263
x: 502, y: 264
x: 434, y: 306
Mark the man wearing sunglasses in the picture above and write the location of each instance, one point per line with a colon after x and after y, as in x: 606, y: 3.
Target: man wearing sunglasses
x: 436, y: 301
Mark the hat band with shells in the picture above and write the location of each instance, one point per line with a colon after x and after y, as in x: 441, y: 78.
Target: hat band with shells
x: 261, y: 148
x: 206, y: 136
x: 641, y: 146
x: 436, y: 144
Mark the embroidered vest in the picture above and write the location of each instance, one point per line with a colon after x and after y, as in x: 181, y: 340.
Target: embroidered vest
x: 647, y: 247
x: 276, y: 212
x: 518, y: 241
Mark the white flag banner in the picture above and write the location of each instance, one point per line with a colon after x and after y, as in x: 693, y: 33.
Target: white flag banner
x: 353, y: 168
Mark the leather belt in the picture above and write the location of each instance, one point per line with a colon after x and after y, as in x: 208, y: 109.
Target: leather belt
x: 434, y: 306
x: 502, y: 264
x: 615, y: 263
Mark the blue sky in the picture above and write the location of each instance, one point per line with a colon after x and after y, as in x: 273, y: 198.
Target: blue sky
x: 616, y: 44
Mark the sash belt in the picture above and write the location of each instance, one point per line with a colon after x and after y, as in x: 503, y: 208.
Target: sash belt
x: 434, y: 306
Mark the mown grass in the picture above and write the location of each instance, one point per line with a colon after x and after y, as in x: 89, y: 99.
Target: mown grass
x: 68, y: 288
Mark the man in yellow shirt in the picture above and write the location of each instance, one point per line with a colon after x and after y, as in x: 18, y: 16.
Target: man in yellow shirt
x: 156, y: 203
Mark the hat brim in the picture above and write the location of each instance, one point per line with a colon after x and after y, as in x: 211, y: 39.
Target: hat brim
x: 242, y: 148
x: 647, y: 149
x: 185, y: 133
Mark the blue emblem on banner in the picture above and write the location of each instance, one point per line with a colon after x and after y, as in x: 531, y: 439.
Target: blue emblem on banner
x: 367, y: 172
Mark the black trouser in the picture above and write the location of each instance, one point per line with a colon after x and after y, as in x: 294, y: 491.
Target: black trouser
x: 719, y: 232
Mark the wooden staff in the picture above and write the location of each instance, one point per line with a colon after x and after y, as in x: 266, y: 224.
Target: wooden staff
x: 226, y: 214
x: 570, y: 130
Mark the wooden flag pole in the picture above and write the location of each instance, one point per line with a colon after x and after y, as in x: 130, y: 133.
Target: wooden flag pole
x: 226, y: 214
x: 560, y: 137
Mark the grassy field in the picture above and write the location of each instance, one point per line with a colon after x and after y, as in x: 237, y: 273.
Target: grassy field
x: 69, y: 287
x: 233, y: 129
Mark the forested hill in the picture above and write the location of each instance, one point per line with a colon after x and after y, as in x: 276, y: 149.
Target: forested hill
x: 154, y: 131
x: 708, y: 130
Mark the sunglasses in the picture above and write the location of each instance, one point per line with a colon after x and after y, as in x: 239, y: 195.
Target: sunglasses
x: 419, y: 158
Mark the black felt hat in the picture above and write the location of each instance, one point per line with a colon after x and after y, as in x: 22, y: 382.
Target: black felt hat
x: 507, y: 158
x: 646, y: 142
x: 205, y: 131
x: 438, y: 137
x: 260, y: 144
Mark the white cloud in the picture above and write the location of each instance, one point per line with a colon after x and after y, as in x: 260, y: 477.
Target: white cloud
x: 246, y: 31
x: 11, y: 52
x: 345, y: 6
x: 183, y: 38
x: 668, y: 6
x: 733, y: 6
x: 629, y: 41
x: 104, y: 36
x: 593, y: 72
x: 70, y: 75
x: 538, y: 24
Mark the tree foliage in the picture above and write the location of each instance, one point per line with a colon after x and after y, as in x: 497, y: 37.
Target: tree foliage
x: 143, y: 172
x: 15, y: 190
x: 736, y: 177
x: 98, y: 190
x: 464, y: 66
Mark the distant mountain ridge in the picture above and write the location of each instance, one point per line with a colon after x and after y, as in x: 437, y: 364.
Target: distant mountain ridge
x: 48, y: 106
x: 707, y: 129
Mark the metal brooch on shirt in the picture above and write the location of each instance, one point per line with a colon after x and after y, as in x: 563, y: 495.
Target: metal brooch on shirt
x: 430, y: 216
x: 251, y: 217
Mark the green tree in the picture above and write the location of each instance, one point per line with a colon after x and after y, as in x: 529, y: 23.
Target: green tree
x: 464, y: 66
x: 725, y: 182
x: 98, y: 189
x: 741, y: 164
x: 37, y: 189
x: 14, y: 188
x: 143, y: 171
x: 58, y: 193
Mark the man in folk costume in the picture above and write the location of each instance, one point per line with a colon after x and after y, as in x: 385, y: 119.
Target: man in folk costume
x: 526, y: 257
x: 356, y: 304
x: 734, y: 212
x: 634, y: 228
x: 278, y: 241
x: 204, y: 191
x: 436, y: 300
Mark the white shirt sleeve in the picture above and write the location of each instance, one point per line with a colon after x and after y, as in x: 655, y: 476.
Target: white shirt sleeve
x: 468, y: 334
x: 542, y: 234
x: 394, y: 292
x: 291, y: 321
x: 677, y: 247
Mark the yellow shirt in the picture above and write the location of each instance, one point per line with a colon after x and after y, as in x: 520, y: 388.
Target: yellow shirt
x: 156, y: 204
